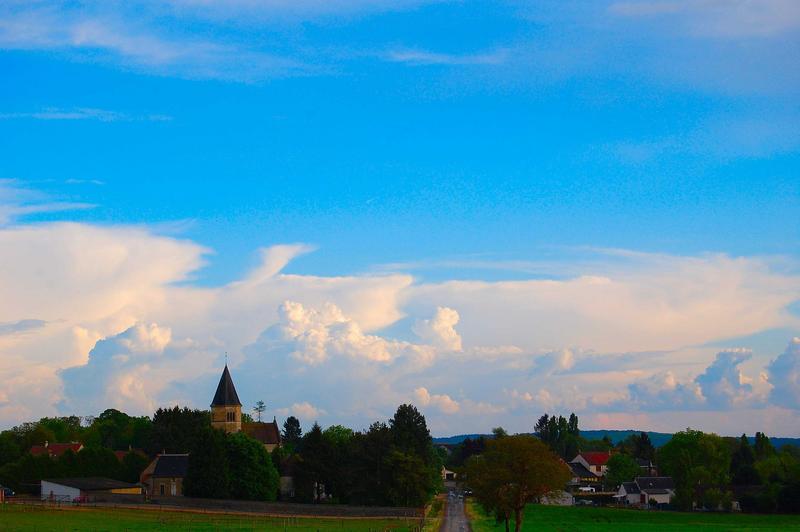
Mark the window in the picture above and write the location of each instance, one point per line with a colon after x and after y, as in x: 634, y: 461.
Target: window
x: 597, y: 468
x: 231, y: 416
x: 161, y: 489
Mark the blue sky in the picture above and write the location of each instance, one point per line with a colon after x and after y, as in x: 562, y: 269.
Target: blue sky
x: 443, y: 141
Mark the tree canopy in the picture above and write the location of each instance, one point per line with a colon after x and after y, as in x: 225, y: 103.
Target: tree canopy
x: 514, y: 471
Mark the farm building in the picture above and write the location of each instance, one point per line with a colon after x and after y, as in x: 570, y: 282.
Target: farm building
x: 164, y: 476
x: 76, y: 489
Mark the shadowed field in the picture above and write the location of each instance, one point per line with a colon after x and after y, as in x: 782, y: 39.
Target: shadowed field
x: 30, y: 518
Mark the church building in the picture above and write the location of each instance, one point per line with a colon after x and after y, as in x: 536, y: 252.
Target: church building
x: 226, y: 414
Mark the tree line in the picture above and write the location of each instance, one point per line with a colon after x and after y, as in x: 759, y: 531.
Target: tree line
x: 392, y: 463
x: 709, y: 471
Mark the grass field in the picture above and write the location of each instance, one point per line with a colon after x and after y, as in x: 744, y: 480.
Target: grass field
x: 572, y: 518
x: 34, y: 518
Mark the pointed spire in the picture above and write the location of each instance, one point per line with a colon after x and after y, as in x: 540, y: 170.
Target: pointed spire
x: 226, y: 391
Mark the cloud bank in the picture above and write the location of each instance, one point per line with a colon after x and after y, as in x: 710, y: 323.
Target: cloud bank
x: 95, y: 317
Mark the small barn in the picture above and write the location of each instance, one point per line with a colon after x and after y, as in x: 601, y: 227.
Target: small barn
x: 84, y: 488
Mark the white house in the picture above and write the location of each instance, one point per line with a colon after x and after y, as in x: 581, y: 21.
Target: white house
x: 655, y: 490
x: 595, y: 462
x: 77, y: 489
x: 628, y: 494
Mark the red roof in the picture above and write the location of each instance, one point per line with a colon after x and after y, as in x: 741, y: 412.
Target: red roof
x: 596, y: 457
x: 55, y: 449
x: 266, y: 433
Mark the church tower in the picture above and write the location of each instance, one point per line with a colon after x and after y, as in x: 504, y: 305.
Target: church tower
x: 226, y: 410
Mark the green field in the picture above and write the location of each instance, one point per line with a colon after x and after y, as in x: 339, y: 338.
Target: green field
x: 612, y: 519
x: 34, y: 518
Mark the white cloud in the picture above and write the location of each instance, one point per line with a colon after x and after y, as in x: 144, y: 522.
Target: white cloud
x: 784, y: 375
x: 304, y: 410
x: 125, y: 327
x: 722, y: 386
x: 132, y: 371
x: 424, y: 57
x: 555, y: 361
x: 729, y: 19
x: 18, y: 201
x: 441, y: 401
x: 84, y: 113
x: 440, y: 331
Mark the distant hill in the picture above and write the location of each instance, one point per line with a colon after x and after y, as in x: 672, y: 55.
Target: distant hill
x: 616, y: 436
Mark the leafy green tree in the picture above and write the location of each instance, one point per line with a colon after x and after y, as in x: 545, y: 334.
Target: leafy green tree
x: 133, y: 463
x: 697, y: 462
x: 174, y: 430
x: 499, y: 432
x: 259, y: 408
x: 621, y: 468
x: 515, y: 471
x: 98, y: 462
x: 208, y: 474
x: 252, y: 475
x: 292, y: 433
x: 10, y: 449
x: 64, y: 429
x: 410, y: 480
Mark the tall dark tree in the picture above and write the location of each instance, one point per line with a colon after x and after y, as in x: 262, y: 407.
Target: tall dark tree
x: 560, y: 434
x: 208, y: 474
x: 370, y: 470
x: 763, y: 447
x: 292, y: 433
x: 572, y: 425
x: 410, y: 431
x: 743, y: 471
x: 312, y: 472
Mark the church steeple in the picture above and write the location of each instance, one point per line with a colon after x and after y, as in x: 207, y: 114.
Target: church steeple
x: 226, y: 409
x: 226, y: 391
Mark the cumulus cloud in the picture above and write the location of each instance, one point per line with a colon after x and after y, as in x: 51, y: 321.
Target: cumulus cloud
x: 441, y: 401
x: 137, y: 370
x: 315, y: 334
x: 440, y: 331
x: 555, y: 362
x: 304, y: 410
x: 723, y: 383
x: 784, y: 375
x: 722, y: 386
x: 126, y: 327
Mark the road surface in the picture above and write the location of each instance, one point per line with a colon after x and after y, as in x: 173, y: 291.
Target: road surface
x: 455, y: 519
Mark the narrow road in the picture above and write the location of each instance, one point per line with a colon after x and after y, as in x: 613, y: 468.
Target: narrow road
x: 455, y: 519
